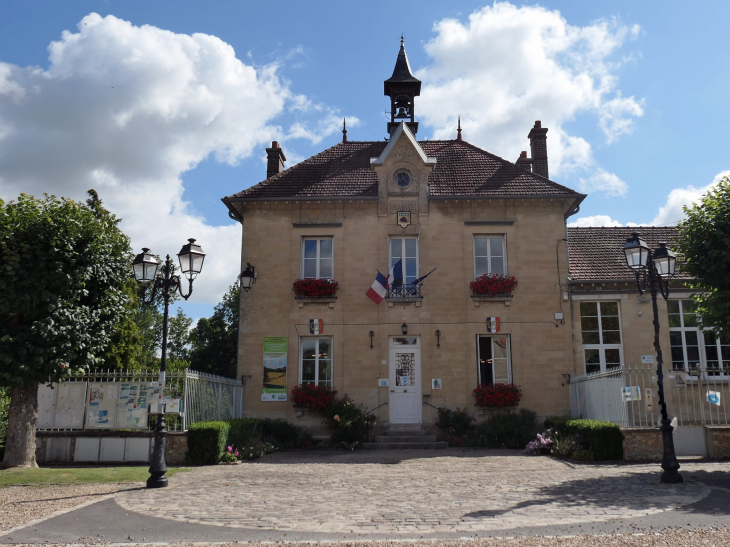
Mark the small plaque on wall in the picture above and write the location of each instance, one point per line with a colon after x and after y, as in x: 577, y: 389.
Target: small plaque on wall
x: 493, y: 324
x: 382, y: 382
x: 436, y: 383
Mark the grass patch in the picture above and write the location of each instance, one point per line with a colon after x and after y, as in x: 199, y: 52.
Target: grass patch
x: 77, y: 475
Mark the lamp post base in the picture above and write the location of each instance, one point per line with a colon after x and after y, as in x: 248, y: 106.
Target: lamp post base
x: 158, y: 468
x: 670, y: 464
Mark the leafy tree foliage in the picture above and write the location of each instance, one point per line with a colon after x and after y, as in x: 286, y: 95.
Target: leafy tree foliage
x: 214, y: 340
x: 65, y: 266
x: 704, y: 244
x: 178, y: 336
x: 65, y: 269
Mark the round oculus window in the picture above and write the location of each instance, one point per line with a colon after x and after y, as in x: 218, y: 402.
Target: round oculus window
x: 402, y: 179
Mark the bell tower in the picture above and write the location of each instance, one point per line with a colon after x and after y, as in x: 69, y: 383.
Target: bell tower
x: 402, y: 87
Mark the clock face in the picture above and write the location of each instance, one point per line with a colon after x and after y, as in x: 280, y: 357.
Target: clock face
x: 403, y: 179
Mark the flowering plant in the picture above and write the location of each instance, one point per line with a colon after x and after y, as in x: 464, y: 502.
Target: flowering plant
x: 493, y: 285
x: 230, y: 455
x: 497, y: 395
x: 315, y: 288
x: 311, y: 396
x: 542, y: 445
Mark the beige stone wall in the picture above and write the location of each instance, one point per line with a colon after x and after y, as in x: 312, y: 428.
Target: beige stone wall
x: 541, y: 351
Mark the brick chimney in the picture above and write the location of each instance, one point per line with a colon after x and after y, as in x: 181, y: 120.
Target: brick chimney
x: 538, y: 149
x: 276, y: 161
x: 524, y: 162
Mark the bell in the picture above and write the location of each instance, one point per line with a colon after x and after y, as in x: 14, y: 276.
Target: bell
x: 401, y: 113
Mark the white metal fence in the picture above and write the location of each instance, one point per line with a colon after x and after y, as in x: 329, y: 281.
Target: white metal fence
x: 628, y: 396
x: 69, y: 405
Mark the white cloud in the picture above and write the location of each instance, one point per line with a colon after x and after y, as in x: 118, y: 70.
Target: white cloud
x: 596, y: 220
x: 509, y: 66
x: 672, y: 211
x: 603, y: 181
x: 126, y: 110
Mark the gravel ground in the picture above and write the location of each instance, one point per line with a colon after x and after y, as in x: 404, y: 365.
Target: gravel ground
x: 21, y: 504
x: 676, y: 538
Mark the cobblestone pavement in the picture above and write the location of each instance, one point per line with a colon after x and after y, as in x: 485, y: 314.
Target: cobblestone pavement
x: 452, y: 490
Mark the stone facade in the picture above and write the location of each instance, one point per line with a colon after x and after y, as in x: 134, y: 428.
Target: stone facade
x: 541, y: 348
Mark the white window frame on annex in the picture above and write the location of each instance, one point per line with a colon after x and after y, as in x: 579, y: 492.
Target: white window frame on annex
x: 503, y: 238
x: 509, y: 358
x: 300, y: 363
x: 318, y: 258
x: 701, y: 343
x: 602, y: 347
x: 403, y: 251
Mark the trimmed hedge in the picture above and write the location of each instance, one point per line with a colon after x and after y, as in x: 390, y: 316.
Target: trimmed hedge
x: 505, y: 430
x: 206, y: 442
x: 604, y: 439
x: 283, y: 435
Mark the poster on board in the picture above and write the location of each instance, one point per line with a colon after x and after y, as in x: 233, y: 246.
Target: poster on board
x: 69, y: 411
x: 133, y: 404
x: 102, y: 413
x: 275, y: 351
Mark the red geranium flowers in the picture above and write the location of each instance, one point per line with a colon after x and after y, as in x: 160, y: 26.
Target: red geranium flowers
x: 315, y: 288
x: 497, y: 395
x: 493, y: 285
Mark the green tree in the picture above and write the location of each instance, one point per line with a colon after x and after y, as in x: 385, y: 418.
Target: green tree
x: 214, y: 340
x: 65, y: 265
x: 178, y: 336
x: 704, y: 246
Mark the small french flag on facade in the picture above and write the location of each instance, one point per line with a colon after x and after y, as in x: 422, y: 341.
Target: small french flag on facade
x: 378, y: 289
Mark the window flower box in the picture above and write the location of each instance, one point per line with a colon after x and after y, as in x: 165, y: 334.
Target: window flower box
x: 315, y: 288
x: 493, y: 285
x: 312, y: 397
x: 497, y: 395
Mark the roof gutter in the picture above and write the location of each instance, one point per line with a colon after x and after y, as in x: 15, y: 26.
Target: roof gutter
x: 227, y: 200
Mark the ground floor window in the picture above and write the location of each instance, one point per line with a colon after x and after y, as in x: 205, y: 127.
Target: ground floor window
x: 493, y: 357
x: 601, y: 336
x: 692, y: 346
x: 315, y: 361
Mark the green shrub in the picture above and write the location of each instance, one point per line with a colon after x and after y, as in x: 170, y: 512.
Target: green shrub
x: 347, y: 422
x: 506, y: 430
x: 456, y: 423
x: 206, y: 442
x: 243, y: 433
x: 603, y: 440
x: 283, y: 435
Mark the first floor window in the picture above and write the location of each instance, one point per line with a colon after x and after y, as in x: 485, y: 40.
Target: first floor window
x: 601, y: 336
x: 317, y: 258
x: 405, y: 250
x: 692, y: 346
x: 493, y: 356
x: 315, y: 361
x: 489, y: 255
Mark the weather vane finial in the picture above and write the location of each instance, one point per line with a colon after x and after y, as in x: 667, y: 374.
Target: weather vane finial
x: 458, y: 130
x: 344, y: 130
x: 402, y: 41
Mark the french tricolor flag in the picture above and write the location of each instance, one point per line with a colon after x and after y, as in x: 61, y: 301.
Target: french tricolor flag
x: 379, y: 289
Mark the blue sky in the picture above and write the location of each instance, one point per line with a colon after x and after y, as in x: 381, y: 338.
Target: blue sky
x: 634, y: 95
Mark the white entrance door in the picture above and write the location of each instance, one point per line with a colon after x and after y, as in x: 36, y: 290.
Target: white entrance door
x: 405, y: 380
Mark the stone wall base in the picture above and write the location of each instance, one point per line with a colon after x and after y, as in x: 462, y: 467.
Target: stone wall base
x: 645, y: 444
x: 123, y: 446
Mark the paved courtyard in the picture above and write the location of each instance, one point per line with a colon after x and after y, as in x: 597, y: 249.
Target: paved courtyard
x: 407, y: 494
x: 408, y: 491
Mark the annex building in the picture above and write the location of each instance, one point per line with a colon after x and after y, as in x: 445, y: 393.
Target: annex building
x: 453, y: 212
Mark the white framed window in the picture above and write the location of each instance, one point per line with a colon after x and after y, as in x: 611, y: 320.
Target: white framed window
x: 692, y: 346
x: 494, y: 359
x: 601, y: 335
x: 315, y: 361
x: 404, y: 249
x: 489, y: 255
x: 317, y: 258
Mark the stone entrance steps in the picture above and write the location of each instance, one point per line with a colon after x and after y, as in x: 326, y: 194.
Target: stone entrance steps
x: 404, y: 437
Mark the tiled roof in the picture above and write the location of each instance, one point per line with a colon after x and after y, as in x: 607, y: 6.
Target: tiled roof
x: 461, y: 169
x: 597, y: 253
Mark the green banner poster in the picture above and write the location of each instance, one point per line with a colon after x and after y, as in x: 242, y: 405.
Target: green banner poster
x: 275, y: 351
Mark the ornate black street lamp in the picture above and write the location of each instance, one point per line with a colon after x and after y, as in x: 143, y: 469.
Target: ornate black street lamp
x: 657, y: 266
x: 247, y: 277
x: 145, y: 265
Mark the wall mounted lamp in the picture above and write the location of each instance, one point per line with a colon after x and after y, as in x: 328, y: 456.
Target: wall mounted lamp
x: 248, y: 277
x: 371, y: 334
x: 404, y: 328
x: 438, y: 338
